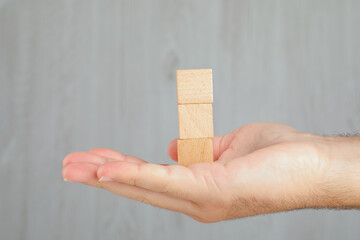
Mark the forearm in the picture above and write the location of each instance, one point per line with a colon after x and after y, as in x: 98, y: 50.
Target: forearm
x: 340, y: 183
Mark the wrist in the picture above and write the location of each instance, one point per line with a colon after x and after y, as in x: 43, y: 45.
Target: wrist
x: 339, y: 183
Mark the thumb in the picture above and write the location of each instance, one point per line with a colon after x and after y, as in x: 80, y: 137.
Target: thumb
x: 172, y: 150
x: 219, y: 146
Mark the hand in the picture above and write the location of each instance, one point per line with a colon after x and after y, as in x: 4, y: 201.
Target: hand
x: 258, y: 168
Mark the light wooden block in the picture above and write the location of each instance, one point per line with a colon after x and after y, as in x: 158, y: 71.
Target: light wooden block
x: 194, y: 86
x: 196, y: 150
x: 195, y: 121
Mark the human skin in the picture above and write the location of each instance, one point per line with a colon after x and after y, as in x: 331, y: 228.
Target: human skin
x: 258, y: 168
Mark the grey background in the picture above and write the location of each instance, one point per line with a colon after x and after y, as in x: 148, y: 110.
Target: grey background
x: 76, y: 75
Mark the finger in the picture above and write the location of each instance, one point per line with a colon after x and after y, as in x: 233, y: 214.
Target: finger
x: 153, y: 198
x: 173, y: 180
x: 220, y: 144
x: 114, y: 155
x: 99, y: 159
x: 172, y: 150
x: 83, y: 157
x: 81, y: 173
x: 108, y: 153
x: 86, y: 173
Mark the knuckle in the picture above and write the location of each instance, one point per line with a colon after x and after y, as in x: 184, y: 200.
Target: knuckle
x: 165, y: 188
x: 144, y: 199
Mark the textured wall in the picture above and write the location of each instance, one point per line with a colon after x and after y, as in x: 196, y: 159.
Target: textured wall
x: 80, y: 74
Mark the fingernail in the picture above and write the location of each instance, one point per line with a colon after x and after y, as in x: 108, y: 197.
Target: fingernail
x: 66, y: 180
x: 106, y: 179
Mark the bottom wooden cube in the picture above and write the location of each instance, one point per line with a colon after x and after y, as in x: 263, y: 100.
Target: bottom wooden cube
x: 195, y: 150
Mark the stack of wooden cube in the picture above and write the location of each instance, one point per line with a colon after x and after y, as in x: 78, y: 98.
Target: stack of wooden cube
x: 195, y: 98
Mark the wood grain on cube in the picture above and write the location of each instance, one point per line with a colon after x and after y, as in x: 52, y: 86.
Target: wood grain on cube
x: 195, y: 150
x: 194, y: 86
x: 195, y: 121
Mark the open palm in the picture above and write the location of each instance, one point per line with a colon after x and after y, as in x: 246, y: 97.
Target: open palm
x: 258, y: 168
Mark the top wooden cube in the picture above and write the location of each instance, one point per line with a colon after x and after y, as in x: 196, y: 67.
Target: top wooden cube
x: 194, y: 86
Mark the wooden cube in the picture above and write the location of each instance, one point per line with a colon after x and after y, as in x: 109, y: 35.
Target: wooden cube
x: 195, y: 121
x: 194, y: 86
x: 196, y: 150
